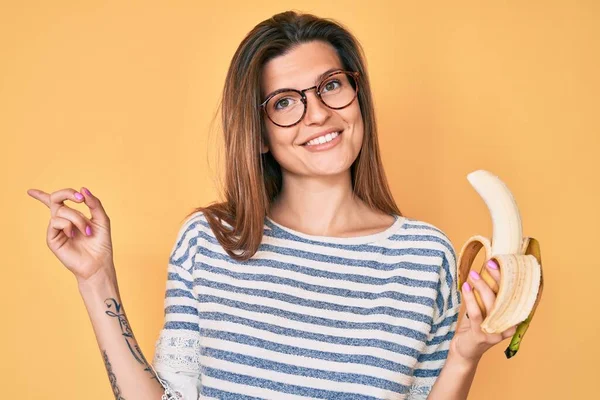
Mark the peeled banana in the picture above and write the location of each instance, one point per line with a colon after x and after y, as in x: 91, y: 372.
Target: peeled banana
x: 519, y: 258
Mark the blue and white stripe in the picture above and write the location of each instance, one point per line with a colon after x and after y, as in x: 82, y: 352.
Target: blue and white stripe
x: 307, y: 317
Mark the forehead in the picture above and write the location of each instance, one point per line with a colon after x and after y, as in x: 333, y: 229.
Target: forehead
x: 299, y: 67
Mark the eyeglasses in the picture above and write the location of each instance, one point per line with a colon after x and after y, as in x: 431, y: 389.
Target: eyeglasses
x: 287, y: 107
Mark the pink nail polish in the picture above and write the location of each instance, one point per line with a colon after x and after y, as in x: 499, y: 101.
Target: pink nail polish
x: 88, y: 230
x: 466, y: 287
x: 87, y: 191
x: 491, y: 264
x: 78, y: 196
x: 73, y: 233
x: 474, y: 275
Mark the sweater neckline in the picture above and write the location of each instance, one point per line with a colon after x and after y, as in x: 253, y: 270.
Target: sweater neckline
x: 281, y: 230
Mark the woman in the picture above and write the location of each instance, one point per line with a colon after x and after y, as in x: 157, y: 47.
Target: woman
x: 306, y: 281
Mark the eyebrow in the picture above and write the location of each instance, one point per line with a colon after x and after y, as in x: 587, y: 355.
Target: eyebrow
x: 319, y: 79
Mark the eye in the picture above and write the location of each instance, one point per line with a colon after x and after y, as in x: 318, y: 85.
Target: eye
x: 284, y: 103
x: 331, y: 85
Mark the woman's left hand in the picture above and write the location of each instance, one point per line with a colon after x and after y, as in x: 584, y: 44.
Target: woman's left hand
x: 470, y: 342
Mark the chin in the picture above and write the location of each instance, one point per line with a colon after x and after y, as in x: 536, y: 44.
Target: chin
x: 329, y: 168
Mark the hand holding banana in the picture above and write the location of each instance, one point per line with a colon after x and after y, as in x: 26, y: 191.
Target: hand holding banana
x: 500, y: 298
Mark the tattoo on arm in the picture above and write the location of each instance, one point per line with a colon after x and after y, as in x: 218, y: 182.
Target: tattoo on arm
x: 128, y: 334
x: 112, y: 377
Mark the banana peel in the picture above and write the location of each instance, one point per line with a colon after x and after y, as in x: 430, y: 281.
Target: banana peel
x: 521, y: 281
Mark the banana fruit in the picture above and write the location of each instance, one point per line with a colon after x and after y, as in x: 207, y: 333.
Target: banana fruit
x: 519, y: 258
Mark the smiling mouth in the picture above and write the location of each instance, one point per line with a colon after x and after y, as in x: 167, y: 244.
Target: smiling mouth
x: 322, y: 139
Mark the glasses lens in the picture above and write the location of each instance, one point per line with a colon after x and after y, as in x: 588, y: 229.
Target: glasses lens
x: 285, y: 108
x: 338, y: 90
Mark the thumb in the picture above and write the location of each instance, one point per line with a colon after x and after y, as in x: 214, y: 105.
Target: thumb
x: 96, y: 209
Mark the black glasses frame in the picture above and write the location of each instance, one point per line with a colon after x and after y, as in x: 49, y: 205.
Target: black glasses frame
x: 303, y: 97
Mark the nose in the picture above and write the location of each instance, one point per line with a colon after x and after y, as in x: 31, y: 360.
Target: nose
x: 316, y: 111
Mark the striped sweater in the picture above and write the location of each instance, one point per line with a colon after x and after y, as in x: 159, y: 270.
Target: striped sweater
x: 307, y: 317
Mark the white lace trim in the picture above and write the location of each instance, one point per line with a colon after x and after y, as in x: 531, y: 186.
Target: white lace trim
x: 418, y: 392
x: 169, y: 393
x: 179, y: 351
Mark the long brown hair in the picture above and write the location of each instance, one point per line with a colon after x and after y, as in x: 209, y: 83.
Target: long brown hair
x: 253, y: 180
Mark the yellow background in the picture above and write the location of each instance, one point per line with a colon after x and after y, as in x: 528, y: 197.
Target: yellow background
x: 119, y: 97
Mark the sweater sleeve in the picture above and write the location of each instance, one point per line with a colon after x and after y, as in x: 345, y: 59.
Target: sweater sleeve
x: 177, y: 350
x: 445, y: 320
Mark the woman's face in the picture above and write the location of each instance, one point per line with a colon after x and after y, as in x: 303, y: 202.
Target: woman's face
x: 299, y: 69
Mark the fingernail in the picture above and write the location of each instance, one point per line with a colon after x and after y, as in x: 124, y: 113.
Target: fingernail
x: 73, y: 233
x: 87, y: 191
x: 474, y: 274
x: 466, y: 287
x: 78, y: 196
x: 491, y: 264
x: 88, y: 230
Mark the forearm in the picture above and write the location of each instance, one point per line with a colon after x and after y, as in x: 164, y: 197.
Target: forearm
x: 131, y: 376
x: 454, y: 381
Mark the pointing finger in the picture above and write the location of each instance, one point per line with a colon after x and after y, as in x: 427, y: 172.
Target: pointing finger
x: 40, y: 195
x: 56, y: 199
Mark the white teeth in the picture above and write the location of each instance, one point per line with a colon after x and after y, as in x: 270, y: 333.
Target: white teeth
x: 322, y: 139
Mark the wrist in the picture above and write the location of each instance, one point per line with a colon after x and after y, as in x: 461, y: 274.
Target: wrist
x: 461, y: 363
x: 102, y: 282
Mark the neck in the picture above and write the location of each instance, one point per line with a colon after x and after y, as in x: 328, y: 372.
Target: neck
x: 322, y: 206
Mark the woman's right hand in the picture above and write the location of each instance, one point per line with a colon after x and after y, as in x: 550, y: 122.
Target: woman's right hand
x: 83, y: 253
